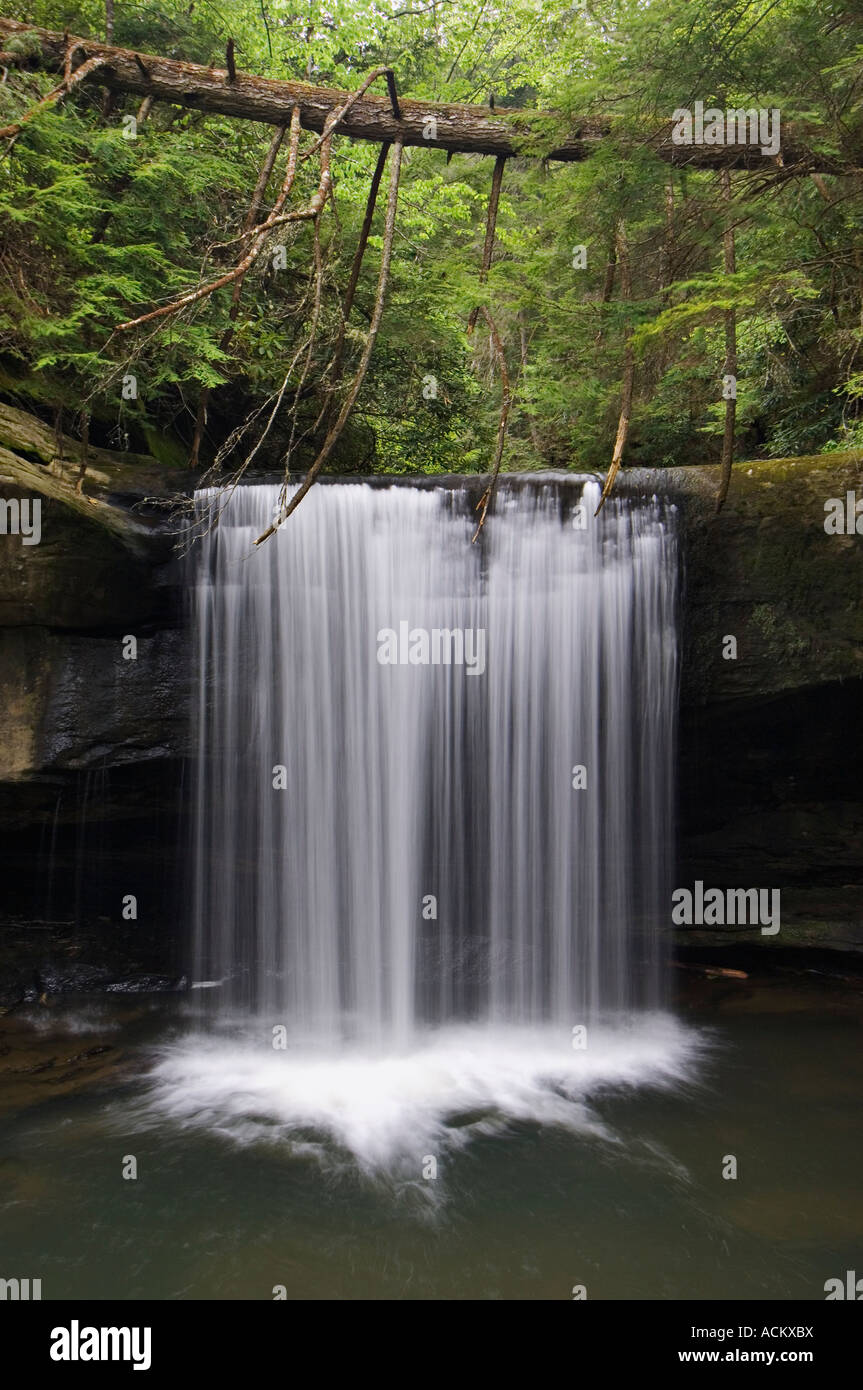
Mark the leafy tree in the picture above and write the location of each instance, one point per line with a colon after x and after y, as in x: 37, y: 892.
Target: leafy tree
x: 99, y: 228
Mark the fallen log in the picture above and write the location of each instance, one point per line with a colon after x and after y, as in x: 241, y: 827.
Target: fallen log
x: 457, y: 128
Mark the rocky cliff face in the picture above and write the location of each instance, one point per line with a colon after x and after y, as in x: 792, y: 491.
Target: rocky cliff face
x: 766, y: 572
x: 104, y: 570
x: 771, y: 774
x: 93, y: 737
x: 94, y: 744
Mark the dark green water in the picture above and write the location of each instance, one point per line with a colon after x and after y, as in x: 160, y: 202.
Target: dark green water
x: 630, y: 1201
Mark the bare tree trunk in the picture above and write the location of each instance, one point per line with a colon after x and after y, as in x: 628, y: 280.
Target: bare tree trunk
x: 490, y: 225
x: 729, y: 370
x: 506, y: 401
x: 109, y: 21
x: 622, y: 248
x: 335, y: 371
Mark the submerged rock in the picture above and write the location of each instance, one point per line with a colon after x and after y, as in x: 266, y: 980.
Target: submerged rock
x: 148, y: 984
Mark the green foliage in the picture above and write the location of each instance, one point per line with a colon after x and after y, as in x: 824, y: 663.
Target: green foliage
x: 99, y: 228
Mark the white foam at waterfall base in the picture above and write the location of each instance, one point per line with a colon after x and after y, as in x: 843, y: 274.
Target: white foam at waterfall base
x: 389, y: 1110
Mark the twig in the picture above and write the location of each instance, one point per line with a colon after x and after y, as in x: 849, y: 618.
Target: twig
x: 490, y: 225
x: 336, y: 117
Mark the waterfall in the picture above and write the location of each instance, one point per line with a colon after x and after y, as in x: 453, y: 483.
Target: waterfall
x: 434, y: 779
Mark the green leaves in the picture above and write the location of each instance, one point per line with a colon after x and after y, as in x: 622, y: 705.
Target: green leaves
x: 98, y: 228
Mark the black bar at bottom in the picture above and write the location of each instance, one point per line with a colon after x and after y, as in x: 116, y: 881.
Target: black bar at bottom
x: 223, y: 1339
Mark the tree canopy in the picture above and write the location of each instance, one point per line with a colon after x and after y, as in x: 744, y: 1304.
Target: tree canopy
x: 604, y: 273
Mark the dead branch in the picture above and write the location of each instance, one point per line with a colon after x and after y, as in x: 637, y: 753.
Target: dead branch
x: 393, y: 94
x: 336, y: 118
x: 730, y: 368
x: 622, y: 249
x: 348, y: 403
x: 490, y: 225
x: 334, y: 370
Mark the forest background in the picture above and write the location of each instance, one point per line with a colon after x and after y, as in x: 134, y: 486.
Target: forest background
x: 97, y: 227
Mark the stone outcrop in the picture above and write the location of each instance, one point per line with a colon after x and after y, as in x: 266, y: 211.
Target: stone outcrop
x: 766, y: 572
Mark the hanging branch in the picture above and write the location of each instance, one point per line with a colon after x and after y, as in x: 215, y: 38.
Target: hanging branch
x: 260, y: 233
x: 70, y: 81
x: 277, y: 217
x: 490, y: 225
x: 461, y: 127
x: 360, y: 252
x: 622, y: 249
x: 308, y: 347
x: 348, y: 404
x: 730, y: 367
x: 506, y: 400
x: 334, y: 371
x: 251, y: 218
x: 497, y: 346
